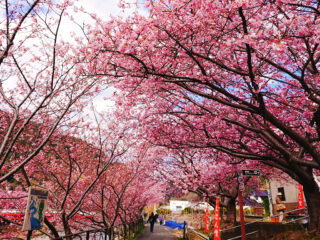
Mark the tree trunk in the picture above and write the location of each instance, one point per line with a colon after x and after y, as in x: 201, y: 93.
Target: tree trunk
x: 51, y: 227
x: 312, y: 195
x: 231, y: 211
x: 125, y: 230
x: 66, y: 226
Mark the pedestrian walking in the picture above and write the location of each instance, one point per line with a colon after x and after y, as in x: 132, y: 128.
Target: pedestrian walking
x: 161, y: 218
x: 152, y: 219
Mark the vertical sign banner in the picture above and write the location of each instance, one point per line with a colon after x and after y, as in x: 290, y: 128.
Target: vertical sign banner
x: 216, y: 229
x: 206, y: 220
x: 36, y: 207
x: 300, y: 197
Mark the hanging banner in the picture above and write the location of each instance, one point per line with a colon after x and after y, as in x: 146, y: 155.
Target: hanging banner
x: 216, y: 229
x: 300, y: 197
x: 36, y: 207
x: 206, y: 220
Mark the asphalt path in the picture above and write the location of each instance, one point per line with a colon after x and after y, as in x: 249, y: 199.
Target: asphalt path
x: 160, y: 232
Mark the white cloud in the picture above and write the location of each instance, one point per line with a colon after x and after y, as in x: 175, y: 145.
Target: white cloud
x: 103, y: 102
x: 103, y: 8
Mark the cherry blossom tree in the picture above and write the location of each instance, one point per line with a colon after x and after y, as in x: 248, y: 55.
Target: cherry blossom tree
x: 71, y: 168
x: 44, y: 90
x: 124, y: 190
x: 100, y: 182
x: 40, y: 88
x: 197, y: 171
x: 241, y: 75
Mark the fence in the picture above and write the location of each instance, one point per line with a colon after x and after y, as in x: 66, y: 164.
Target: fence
x: 200, y: 235
x: 121, y: 232
x: 253, y: 230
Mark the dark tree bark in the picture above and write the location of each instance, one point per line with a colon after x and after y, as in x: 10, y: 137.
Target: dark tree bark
x: 66, y: 226
x: 52, y: 228
x: 231, y: 211
x: 312, y: 195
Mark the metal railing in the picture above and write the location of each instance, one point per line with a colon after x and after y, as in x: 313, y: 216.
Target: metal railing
x: 240, y: 236
x: 297, y: 219
x: 267, y: 218
x: 121, y: 232
x: 190, y: 229
x: 207, y: 238
x: 246, y: 224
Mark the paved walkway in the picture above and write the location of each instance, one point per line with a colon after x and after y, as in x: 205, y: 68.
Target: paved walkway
x: 160, y: 232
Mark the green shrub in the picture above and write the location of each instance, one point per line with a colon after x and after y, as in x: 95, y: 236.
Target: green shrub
x: 247, y: 211
x: 163, y: 211
x: 266, y: 205
x: 187, y: 210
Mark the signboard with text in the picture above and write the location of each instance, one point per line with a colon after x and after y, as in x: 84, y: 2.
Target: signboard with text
x: 301, y: 203
x: 216, y: 227
x: 36, y: 207
x: 251, y: 172
x: 241, y: 183
x: 206, y: 221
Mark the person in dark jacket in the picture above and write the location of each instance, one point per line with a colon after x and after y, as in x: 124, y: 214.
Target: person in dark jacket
x: 152, y: 219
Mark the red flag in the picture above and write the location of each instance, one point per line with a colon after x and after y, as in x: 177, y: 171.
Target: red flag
x: 206, y: 221
x: 300, y: 197
x: 216, y: 229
